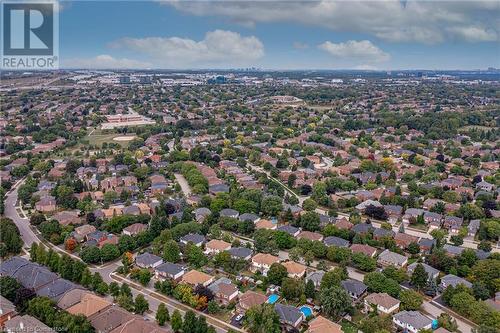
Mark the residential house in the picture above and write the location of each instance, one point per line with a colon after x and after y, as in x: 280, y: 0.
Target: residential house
x: 56, y: 289
x: 411, y: 321
x: 148, y: 260
x: 80, y: 233
x: 262, y: 262
x: 134, y: 229
x: 473, y: 228
x: 243, y: 253
x: 362, y: 228
x: 322, y: 325
x: 7, y: 310
x: 110, y: 319
x: 89, y: 305
x: 313, y: 236
x: 265, y: 224
x: 367, y: 250
x: 290, y: 316
x: 403, y: 240
x: 453, y: 223
x: 67, y: 217
x: 426, y: 244
x: 354, y: 288
x: 46, y: 204
x: 249, y: 299
x: 384, y: 303
x: 289, y: 229
x: 216, y: 246
x: 200, y: 214
x: 453, y: 250
x: 228, y: 212
x: 196, y: 239
x: 432, y: 273
x: 26, y: 323
x: 195, y: 278
x: 453, y: 280
x: 389, y: 258
x: 315, y: 277
x: 394, y: 213
x: 249, y: 217
x: 381, y: 233
x: 224, y: 290
x: 336, y: 241
x: 295, y: 270
x: 168, y: 270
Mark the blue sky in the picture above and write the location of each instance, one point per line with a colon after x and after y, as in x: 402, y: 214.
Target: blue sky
x: 281, y: 35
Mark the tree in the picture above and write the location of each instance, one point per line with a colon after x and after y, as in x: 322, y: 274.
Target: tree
x: 419, y: 277
x: 176, y: 321
x: 310, y: 221
x: 141, y: 305
x: 334, y: 301
x: 309, y: 205
x: 487, y: 271
x: 91, y: 254
x: 376, y: 324
x: 189, y: 323
x: 333, y: 278
x: 162, y: 314
x: 480, y: 291
x: 410, y: 300
x: 277, y: 272
x: 195, y: 256
x: 171, y: 252
x: 447, y: 322
x: 9, y: 287
x: 262, y: 319
x: 310, y: 289
x: 363, y: 262
x: 485, y: 246
x: 457, y: 240
x: 292, y: 289
x: 109, y: 252
x: 272, y: 205
x: 213, y: 307
x: 379, y: 283
x: 10, y: 242
x: 338, y: 254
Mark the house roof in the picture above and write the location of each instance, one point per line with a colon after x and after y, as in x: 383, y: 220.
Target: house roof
x: 194, y: 238
x: 10, y: 266
x: 251, y: 298
x: 56, y: 289
x: 248, y: 217
x: 6, y: 306
x: 71, y: 298
x: 363, y: 248
x: 289, y: 229
x: 294, y: 268
x: 392, y: 257
x: 453, y: 280
x: 240, y: 252
x: 228, y: 212
x: 110, y: 319
x: 89, y: 305
x: 431, y: 271
x: 314, y: 236
x: 195, y: 277
x: 34, y: 276
x: 139, y: 325
x: 353, y: 286
x: 147, y: 259
x: 413, y: 318
x: 336, y: 241
x: 265, y: 258
x: 315, y: 276
x: 223, y: 286
x: 26, y: 323
x: 322, y: 325
x: 169, y: 268
x: 216, y: 244
x: 288, y: 314
x: 383, y: 299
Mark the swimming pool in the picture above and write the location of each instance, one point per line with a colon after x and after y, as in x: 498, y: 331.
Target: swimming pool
x: 307, y: 311
x: 272, y: 299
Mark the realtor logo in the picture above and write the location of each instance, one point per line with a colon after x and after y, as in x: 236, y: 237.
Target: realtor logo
x: 30, y: 35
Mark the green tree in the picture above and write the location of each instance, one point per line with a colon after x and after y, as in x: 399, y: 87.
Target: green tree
x: 272, y: 205
x: 310, y: 289
x: 171, y: 252
x: 189, y: 323
x: 419, y: 277
x: 262, y: 319
x: 10, y: 242
x: 277, y: 272
x: 410, y: 300
x: 335, y: 301
x: 109, y: 252
x: 141, y: 305
x: 91, y: 254
x: 333, y: 278
x: 176, y: 321
x: 363, y: 262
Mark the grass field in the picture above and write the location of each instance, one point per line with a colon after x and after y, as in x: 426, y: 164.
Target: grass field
x: 97, y: 138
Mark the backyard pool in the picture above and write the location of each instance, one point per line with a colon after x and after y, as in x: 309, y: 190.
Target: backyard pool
x: 272, y: 299
x: 307, y: 311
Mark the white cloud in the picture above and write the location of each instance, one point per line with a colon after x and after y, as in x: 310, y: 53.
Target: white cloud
x: 358, y: 50
x: 391, y: 20
x: 104, y: 61
x: 219, y: 48
x: 474, y: 34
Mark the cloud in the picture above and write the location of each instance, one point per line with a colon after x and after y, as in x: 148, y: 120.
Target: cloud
x: 300, y: 45
x: 474, y: 34
x: 360, y: 50
x: 426, y: 22
x: 104, y: 61
x: 219, y: 47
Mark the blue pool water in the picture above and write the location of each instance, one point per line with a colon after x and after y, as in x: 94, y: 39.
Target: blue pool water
x: 272, y: 299
x: 307, y: 311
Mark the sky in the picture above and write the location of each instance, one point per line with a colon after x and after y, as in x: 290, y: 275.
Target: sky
x: 323, y: 34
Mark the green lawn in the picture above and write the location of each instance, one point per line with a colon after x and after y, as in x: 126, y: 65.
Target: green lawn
x: 348, y: 327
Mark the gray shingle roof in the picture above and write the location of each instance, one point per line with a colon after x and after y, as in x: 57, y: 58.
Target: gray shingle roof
x: 147, y: 259
x: 169, y: 268
x: 240, y: 252
x: 288, y: 314
x: 413, y: 318
x: 336, y: 241
x: 56, y: 289
x: 354, y: 287
x: 194, y: 238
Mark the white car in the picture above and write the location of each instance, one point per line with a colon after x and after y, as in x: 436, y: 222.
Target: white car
x: 238, y: 317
